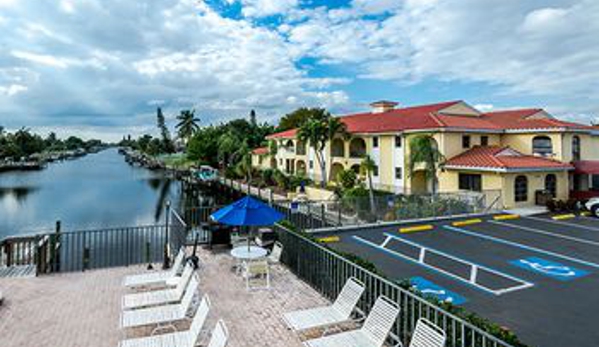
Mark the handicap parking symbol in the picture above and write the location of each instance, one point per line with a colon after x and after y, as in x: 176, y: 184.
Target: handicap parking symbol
x: 428, y: 288
x: 549, y: 268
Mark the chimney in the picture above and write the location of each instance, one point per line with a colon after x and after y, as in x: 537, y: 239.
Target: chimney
x: 383, y: 106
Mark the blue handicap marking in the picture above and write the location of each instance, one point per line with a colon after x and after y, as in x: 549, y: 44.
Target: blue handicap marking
x: 427, y: 287
x: 549, y: 268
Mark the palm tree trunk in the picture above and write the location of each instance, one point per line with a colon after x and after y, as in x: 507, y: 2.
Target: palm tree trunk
x: 323, y: 169
x: 371, y: 194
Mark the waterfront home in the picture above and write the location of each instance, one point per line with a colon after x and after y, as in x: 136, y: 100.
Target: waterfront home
x: 515, y: 153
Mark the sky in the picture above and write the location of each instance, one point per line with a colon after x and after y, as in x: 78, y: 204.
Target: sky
x: 99, y: 68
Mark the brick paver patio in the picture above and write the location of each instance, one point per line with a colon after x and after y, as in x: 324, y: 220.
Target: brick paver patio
x: 83, y: 309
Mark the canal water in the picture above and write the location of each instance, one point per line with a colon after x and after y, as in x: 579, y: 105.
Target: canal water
x: 96, y: 191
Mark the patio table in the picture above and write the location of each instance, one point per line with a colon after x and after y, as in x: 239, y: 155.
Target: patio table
x: 245, y: 253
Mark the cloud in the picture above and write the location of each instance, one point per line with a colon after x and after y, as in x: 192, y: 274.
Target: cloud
x: 99, y: 70
x: 263, y: 8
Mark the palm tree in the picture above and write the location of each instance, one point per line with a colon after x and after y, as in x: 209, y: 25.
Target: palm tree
x: 188, y: 124
x: 367, y: 167
x: 316, y: 131
x: 424, y: 151
x: 243, y: 156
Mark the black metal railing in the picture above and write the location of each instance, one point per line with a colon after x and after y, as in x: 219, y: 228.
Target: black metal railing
x: 327, y: 272
x: 81, y: 250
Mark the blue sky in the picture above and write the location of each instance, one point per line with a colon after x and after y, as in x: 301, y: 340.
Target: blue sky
x: 101, y: 67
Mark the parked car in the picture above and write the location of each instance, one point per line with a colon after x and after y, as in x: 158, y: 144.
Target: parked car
x: 593, y: 206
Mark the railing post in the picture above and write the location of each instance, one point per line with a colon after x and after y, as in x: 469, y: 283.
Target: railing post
x: 166, y: 262
x: 56, y: 249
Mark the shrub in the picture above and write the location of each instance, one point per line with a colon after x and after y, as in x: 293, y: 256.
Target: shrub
x: 347, y: 179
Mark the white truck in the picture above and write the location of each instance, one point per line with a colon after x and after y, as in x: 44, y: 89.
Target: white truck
x: 593, y: 206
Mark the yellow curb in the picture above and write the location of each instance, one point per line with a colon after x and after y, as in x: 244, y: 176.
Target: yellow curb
x: 564, y: 216
x: 467, y: 222
x: 506, y: 216
x: 585, y: 213
x: 415, y: 228
x: 329, y: 239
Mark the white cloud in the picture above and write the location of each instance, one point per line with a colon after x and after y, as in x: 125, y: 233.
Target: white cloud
x: 12, y: 89
x: 263, y: 8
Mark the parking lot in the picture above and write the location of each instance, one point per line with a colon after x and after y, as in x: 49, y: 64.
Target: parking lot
x: 535, y: 275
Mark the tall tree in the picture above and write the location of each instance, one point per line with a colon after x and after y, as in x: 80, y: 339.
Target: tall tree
x: 367, y: 167
x: 316, y: 131
x: 295, y: 119
x: 167, y: 143
x: 253, y: 118
x: 188, y: 124
x: 424, y: 151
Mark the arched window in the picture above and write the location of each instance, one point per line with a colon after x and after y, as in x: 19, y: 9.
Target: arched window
x: 357, y: 148
x: 289, y: 145
x: 521, y: 189
x: 541, y: 145
x: 575, y: 148
x: 300, y: 148
x: 337, y: 148
x: 551, y: 184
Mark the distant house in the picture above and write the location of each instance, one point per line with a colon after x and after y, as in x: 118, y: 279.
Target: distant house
x: 514, y: 152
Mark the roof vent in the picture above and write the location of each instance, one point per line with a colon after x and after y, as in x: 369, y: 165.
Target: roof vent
x: 383, y: 106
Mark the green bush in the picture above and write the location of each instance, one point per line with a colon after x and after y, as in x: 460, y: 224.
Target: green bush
x: 347, y: 179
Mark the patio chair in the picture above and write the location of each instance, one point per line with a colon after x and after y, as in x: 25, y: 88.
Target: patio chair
x: 159, y: 297
x: 220, y: 335
x: 427, y: 334
x: 339, y: 312
x: 157, y: 278
x: 373, y: 333
x: 162, y: 314
x: 275, y: 255
x: 256, y: 274
x: 187, y: 338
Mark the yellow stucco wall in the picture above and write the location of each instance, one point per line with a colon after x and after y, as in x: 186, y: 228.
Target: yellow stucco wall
x: 523, y: 143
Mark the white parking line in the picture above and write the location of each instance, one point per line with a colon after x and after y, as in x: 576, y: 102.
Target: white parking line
x: 586, y: 227
x: 543, y: 232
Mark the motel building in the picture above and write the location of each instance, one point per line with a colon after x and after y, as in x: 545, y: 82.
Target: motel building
x: 514, y: 153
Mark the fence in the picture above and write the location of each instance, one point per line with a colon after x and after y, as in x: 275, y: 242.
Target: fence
x: 92, y: 249
x: 327, y: 272
x: 347, y: 211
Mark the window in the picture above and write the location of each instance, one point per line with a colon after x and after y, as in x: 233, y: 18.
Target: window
x: 484, y: 140
x: 375, y: 171
x: 398, y: 141
x: 311, y: 164
x: 466, y: 141
x: 575, y: 148
x: 375, y: 142
x: 521, y: 189
x: 470, y: 182
x: 281, y: 161
x: 595, y: 182
x: 398, y: 173
x: 551, y: 184
x: 541, y: 145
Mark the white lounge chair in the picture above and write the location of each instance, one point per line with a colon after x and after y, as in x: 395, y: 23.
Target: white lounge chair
x: 187, y: 338
x: 427, y: 334
x: 157, y: 278
x: 161, y: 314
x: 220, y: 335
x: 373, y: 333
x: 275, y: 255
x: 256, y: 274
x: 339, y: 312
x: 159, y: 297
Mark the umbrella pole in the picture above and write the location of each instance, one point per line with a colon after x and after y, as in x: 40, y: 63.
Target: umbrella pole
x: 249, y: 235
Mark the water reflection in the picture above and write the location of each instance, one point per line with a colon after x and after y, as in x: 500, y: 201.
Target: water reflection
x: 18, y: 193
x: 99, y: 190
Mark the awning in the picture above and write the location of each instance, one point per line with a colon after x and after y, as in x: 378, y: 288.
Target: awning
x: 589, y: 167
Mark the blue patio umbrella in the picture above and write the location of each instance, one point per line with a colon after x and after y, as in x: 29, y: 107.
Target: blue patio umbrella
x: 247, y: 212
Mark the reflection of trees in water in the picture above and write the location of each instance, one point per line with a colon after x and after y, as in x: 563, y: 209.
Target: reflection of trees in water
x: 19, y: 193
x: 164, y: 189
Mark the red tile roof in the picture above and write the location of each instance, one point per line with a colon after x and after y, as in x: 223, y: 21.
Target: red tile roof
x: 426, y: 117
x: 587, y: 167
x: 260, y: 151
x: 283, y: 134
x: 502, y: 158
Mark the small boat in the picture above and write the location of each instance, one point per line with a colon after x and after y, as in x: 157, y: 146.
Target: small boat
x: 207, y: 173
